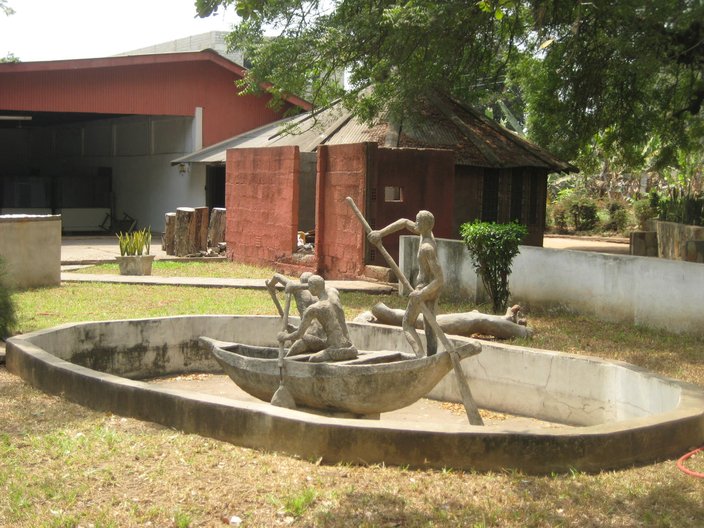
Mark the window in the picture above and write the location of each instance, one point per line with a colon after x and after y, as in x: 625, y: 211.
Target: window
x: 393, y: 194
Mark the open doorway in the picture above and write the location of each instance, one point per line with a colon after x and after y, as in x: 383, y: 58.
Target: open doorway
x: 306, y: 201
x: 215, y: 186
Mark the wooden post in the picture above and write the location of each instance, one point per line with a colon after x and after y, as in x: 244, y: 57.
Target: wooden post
x: 167, y: 242
x: 184, y: 236
x: 201, y: 229
x: 216, y: 230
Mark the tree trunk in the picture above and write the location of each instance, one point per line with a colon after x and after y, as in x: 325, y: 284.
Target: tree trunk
x: 216, y: 230
x: 167, y: 242
x: 463, y: 324
x: 201, y: 229
x: 184, y: 237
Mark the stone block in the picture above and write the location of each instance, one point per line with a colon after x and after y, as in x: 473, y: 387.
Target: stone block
x: 644, y: 243
x: 694, y: 251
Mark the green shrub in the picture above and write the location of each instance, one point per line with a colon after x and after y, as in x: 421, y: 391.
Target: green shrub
x: 560, y: 217
x: 584, y: 213
x: 492, y: 248
x: 684, y: 209
x: 643, y: 210
x: 617, y: 217
x: 8, y: 316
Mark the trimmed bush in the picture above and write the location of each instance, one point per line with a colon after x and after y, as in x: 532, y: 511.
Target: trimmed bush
x: 492, y: 248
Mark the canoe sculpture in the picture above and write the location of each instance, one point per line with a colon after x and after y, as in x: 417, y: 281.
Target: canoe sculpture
x: 375, y: 382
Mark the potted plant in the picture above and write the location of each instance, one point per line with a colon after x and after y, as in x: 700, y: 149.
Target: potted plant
x: 134, y: 256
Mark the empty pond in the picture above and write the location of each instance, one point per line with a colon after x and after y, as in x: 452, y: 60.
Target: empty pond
x: 553, y: 411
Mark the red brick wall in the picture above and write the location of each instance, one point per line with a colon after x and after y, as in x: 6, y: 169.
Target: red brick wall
x: 261, y: 197
x: 339, y: 244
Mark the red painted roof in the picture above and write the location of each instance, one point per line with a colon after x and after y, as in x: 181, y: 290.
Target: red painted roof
x: 158, y: 84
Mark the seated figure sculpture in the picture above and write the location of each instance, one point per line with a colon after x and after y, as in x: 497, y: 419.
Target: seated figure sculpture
x: 313, y: 340
x: 328, y: 313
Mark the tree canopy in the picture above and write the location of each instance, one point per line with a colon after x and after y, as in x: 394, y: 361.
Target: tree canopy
x: 625, y: 71
x: 5, y: 8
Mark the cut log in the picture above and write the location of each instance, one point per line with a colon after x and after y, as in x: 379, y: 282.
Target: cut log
x: 201, y: 229
x: 167, y: 242
x: 184, y: 235
x: 216, y: 230
x: 463, y: 324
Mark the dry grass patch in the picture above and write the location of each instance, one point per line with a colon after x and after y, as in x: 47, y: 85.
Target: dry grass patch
x: 64, y: 465
x: 216, y: 269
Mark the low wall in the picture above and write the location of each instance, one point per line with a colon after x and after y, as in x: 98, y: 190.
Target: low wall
x: 608, y: 414
x: 30, y: 246
x: 680, y: 242
x: 658, y: 293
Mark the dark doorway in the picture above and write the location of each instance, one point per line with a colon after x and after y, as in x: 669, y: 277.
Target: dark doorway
x: 215, y: 186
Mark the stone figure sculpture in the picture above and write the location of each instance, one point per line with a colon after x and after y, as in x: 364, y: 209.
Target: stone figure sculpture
x: 302, y: 296
x: 313, y: 340
x: 328, y: 313
x: 430, y: 277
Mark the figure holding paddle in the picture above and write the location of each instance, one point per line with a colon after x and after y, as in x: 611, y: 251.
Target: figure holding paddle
x: 327, y: 311
x: 430, y: 277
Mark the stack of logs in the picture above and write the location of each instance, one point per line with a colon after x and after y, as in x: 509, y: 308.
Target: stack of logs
x: 189, y: 231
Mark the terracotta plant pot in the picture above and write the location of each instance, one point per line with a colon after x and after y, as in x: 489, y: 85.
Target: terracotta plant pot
x: 135, y: 264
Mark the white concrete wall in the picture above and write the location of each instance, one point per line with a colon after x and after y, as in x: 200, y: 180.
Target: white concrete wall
x: 30, y: 247
x: 644, y: 291
x: 145, y: 184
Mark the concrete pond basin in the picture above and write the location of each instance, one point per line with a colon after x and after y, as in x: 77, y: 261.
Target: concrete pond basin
x: 573, y: 412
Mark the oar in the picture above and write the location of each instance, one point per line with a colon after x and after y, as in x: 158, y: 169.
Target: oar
x: 272, y: 292
x: 282, y: 397
x: 470, y: 406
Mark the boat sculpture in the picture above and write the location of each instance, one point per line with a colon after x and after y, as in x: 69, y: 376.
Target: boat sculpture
x: 375, y: 382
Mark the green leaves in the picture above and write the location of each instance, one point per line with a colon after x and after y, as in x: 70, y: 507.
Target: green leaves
x: 492, y: 248
x: 627, y: 70
x: 135, y: 242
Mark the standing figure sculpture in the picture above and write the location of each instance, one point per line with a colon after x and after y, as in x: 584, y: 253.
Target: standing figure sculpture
x: 430, y: 277
x: 328, y: 313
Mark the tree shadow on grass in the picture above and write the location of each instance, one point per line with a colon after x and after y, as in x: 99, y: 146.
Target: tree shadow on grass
x: 533, y: 501
x: 389, y: 510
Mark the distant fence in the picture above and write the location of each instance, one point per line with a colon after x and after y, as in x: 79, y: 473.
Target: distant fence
x: 645, y: 291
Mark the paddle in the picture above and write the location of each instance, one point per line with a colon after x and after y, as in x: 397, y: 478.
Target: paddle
x: 470, y: 406
x: 272, y: 292
x: 282, y: 397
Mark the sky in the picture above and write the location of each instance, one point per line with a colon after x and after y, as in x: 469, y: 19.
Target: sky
x: 43, y: 30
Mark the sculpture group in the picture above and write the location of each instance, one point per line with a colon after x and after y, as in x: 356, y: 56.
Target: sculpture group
x: 345, y: 378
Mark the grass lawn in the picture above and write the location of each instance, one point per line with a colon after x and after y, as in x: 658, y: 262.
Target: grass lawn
x: 64, y: 465
x: 216, y: 269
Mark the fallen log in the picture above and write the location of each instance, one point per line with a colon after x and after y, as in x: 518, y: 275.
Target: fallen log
x: 463, y: 324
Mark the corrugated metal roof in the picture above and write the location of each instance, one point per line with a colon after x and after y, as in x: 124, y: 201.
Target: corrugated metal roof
x: 444, y: 123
